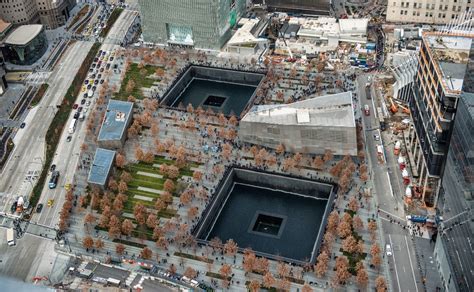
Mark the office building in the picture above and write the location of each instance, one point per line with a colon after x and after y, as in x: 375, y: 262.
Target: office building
x: 25, y: 44
x: 442, y: 63
x: 54, y: 13
x: 404, y: 66
x: 453, y: 253
x: 430, y: 12
x: 309, y: 126
x: 204, y: 24
x: 19, y: 11
x: 50, y: 13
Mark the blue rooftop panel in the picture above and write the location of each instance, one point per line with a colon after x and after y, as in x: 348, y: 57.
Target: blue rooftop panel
x: 116, y: 118
x: 100, y: 169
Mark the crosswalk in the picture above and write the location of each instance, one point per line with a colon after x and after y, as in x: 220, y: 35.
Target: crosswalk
x: 38, y: 78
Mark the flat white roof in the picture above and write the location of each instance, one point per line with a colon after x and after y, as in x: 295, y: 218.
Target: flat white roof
x: 22, y: 35
x: 334, y: 110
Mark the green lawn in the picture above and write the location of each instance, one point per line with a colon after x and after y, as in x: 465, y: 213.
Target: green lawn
x: 139, y: 180
x: 141, y: 81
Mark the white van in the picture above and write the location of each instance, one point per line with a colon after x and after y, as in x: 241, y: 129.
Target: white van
x: 10, y: 237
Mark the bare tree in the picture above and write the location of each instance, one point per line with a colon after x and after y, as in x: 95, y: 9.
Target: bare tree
x: 230, y: 247
x: 146, y: 253
x: 342, y: 270
x: 321, y: 264
x: 119, y: 248
x: 87, y: 242
x: 380, y: 284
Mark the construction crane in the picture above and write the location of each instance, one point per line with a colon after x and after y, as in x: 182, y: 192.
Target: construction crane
x: 393, y: 106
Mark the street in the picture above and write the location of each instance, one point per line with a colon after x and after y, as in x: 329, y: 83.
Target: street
x: 389, y: 199
x: 28, y: 155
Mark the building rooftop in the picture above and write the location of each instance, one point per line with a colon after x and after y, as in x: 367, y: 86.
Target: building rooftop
x: 451, y: 53
x: 101, y: 165
x: 22, y: 35
x: 335, y: 110
x: 116, y: 120
x: 244, y: 35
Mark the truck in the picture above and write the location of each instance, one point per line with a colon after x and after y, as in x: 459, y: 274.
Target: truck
x: 72, y: 126
x: 19, y: 205
x: 367, y: 110
x: 396, y: 149
x: 10, y: 237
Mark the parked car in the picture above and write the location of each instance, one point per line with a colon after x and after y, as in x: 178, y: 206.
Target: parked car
x: 376, y: 137
x: 75, y: 106
x: 53, y: 167
x: 76, y: 115
x: 22, y: 125
x: 79, y: 109
x: 39, y: 207
x: 83, y: 101
x: 68, y: 139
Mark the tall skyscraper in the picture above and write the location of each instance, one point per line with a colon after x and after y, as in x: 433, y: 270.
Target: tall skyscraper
x: 442, y: 64
x: 196, y: 23
x: 50, y: 13
x: 453, y: 253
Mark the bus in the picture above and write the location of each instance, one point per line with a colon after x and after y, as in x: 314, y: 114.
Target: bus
x: 72, y: 126
x: 10, y: 237
x: 54, y: 179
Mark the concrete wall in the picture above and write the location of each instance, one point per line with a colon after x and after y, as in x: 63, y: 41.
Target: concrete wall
x: 341, y: 140
x: 286, y: 183
x: 289, y: 184
x: 224, y: 75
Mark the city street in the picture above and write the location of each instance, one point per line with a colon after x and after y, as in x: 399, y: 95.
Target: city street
x: 404, y: 275
x: 28, y: 155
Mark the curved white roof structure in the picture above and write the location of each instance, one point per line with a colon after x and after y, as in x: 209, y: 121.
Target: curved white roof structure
x: 24, y: 34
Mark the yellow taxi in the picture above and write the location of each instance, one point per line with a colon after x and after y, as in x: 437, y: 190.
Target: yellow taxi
x: 50, y: 202
x: 67, y: 187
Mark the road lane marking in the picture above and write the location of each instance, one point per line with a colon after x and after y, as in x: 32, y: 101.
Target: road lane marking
x: 395, y: 263
x: 390, y: 184
x: 411, y: 265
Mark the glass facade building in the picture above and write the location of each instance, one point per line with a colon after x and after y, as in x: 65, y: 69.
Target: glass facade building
x: 26, y: 54
x: 204, y: 24
x: 453, y: 252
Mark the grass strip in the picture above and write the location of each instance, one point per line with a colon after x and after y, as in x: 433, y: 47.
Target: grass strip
x: 128, y: 242
x: 217, y: 276
x: 39, y: 94
x: 194, y: 257
x: 60, y: 120
x: 10, y: 146
x: 78, y: 16
x: 110, y: 22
